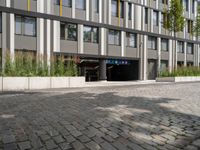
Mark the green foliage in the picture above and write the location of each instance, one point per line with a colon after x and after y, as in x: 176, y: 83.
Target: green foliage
x: 182, y: 71
x: 26, y: 64
x: 175, y: 21
x: 196, y: 28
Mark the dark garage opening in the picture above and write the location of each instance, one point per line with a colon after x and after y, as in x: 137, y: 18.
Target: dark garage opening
x: 123, y: 72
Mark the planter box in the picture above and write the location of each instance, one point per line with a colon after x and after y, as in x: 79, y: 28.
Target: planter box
x: 178, y: 79
x: 15, y: 83
x: 36, y: 83
x: 76, y: 81
x: 60, y: 82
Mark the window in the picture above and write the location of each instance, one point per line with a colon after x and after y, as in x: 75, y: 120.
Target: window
x: 18, y: 25
x: 185, y: 4
x: 152, y: 42
x: 67, y: 3
x: 189, y: 48
x: 30, y: 26
x: 155, y: 18
x: 180, y: 47
x: 115, y: 8
x: 0, y: 22
x: 193, y: 6
x: 114, y: 37
x: 96, y: 6
x: 146, y: 15
x: 68, y: 31
x: 129, y: 11
x: 81, y: 4
x: 165, y: 1
x: 164, y: 44
x: 131, y: 40
x: 190, y: 26
x: 28, y: 23
x: 90, y: 34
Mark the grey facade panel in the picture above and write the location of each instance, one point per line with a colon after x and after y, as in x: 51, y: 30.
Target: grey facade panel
x: 25, y: 42
x: 131, y: 52
x: 164, y: 55
x: 114, y: 50
x: 115, y: 21
x: 96, y: 17
x: 190, y: 57
x: 68, y: 46
x: 91, y: 48
x: 180, y: 56
x: 0, y: 40
x: 2, y: 2
x: 66, y: 12
x: 129, y: 24
x: 80, y: 14
x: 22, y: 4
x: 152, y: 54
x: 57, y: 10
x: 155, y: 29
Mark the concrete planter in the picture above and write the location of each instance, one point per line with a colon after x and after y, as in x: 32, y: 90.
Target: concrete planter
x: 36, y: 83
x: 178, y: 79
x: 15, y: 83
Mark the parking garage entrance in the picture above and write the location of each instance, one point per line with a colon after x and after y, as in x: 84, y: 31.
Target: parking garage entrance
x: 109, y: 69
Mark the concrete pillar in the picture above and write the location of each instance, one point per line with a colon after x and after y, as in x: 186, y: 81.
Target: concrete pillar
x: 40, y: 31
x: 126, y: 15
x: 103, y: 43
x: 132, y: 16
x: 48, y: 36
x: 143, y: 56
x: 170, y: 64
x: 4, y: 40
x: 87, y: 10
x: 73, y: 8
x: 185, y: 54
x: 109, y: 11
x: 151, y: 19
x: 100, y: 11
x: 80, y: 39
x: 56, y: 36
x: 138, y: 17
x: 102, y: 70
x: 159, y: 55
x: 123, y: 43
x: 175, y: 54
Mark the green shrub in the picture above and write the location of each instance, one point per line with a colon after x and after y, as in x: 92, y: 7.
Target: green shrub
x: 25, y: 64
x: 182, y: 71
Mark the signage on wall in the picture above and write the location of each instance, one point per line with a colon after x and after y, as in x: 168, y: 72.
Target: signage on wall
x: 117, y: 62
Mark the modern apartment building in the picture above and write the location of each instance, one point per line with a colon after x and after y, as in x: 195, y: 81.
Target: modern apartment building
x: 111, y: 39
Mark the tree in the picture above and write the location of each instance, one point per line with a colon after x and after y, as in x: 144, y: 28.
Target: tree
x: 175, y: 23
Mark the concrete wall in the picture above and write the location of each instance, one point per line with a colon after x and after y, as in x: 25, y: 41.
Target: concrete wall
x: 68, y: 46
x: 25, y: 42
x: 36, y: 83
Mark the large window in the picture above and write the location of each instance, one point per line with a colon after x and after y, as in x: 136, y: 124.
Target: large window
x: 114, y: 37
x: 96, y: 6
x: 115, y: 8
x: 152, y: 42
x: 186, y: 5
x: 0, y: 22
x: 90, y: 34
x: 68, y: 31
x: 131, y: 40
x: 190, y: 48
x: 81, y: 4
x: 129, y: 11
x: 190, y: 26
x: 164, y: 44
x: 180, y: 47
x: 155, y: 18
x: 67, y: 3
x: 25, y: 26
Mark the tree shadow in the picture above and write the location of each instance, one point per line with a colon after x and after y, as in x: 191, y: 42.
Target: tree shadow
x: 124, y: 122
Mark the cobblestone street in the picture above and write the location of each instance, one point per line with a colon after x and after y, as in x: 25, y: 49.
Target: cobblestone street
x: 137, y: 117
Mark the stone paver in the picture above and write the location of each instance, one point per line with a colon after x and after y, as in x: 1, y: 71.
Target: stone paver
x: 131, y: 117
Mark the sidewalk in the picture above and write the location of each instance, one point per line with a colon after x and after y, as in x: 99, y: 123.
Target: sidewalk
x: 118, y: 83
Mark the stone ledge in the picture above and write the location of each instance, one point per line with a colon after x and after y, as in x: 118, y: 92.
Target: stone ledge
x: 37, y: 83
x: 178, y: 79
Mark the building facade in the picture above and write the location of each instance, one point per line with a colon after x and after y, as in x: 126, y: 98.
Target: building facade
x: 111, y: 39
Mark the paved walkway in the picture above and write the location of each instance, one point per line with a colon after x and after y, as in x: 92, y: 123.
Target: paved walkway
x: 136, y: 117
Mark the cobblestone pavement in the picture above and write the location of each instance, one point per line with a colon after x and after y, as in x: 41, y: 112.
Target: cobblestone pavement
x: 140, y: 117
